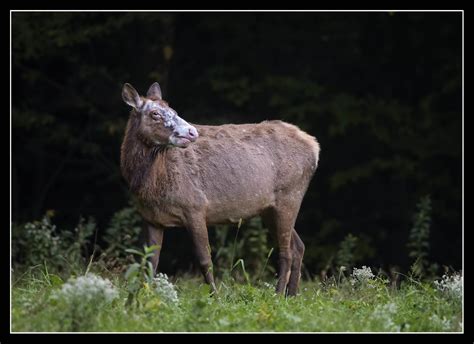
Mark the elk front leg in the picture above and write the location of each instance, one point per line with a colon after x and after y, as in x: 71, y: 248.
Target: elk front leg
x: 155, y: 237
x: 198, y: 231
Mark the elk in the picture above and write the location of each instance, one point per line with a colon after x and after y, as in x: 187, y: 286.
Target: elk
x: 194, y: 176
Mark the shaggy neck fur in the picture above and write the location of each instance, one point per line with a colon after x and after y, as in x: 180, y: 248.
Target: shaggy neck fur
x: 138, y: 158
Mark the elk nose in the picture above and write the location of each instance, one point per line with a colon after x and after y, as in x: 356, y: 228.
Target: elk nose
x: 192, y: 133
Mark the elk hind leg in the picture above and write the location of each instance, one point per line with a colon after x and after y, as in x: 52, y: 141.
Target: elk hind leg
x: 297, y: 248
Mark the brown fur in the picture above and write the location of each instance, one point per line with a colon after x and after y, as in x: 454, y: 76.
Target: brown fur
x: 230, y: 172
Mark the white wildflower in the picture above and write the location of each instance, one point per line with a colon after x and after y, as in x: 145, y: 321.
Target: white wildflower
x: 268, y: 285
x: 89, y: 288
x: 442, y: 323
x: 165, y: 289
x: 384, y: 314
x: 293, y: 318
x: 362, y: 275
x: 450, y: 285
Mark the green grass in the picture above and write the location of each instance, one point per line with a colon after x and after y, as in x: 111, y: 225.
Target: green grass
x: 320, y: 307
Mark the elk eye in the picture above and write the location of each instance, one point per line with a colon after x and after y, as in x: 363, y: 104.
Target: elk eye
x: 155, y: 116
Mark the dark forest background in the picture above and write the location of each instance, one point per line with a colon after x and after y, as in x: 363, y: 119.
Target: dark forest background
x: 382, y: 92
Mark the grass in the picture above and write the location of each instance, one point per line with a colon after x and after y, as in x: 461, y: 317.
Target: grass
x: 334, y: 306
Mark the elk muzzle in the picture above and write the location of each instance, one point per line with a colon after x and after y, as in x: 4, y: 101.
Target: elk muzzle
x: 183, y: 134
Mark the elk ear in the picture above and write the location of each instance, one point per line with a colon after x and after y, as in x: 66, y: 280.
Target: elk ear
x: 154, y: 92
x: 131, y: 96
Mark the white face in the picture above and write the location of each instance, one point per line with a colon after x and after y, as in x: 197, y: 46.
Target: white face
x: 162, y: 125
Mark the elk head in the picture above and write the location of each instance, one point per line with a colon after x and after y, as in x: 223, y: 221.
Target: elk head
x: 158, y: 124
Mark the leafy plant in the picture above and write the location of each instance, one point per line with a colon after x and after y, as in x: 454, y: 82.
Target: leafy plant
x: 75, y: 243
x: 36, y: 242
x: 418, y: 242
x: 256, y: 246
x: 248, y: 248
x: 345, y: 255
x: 142, y: 285
x: 40, y: 243
x: 122, y: 233
x: 140, y: 274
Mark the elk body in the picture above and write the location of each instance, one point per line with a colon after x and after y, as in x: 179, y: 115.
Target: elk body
x: 193, y: 176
